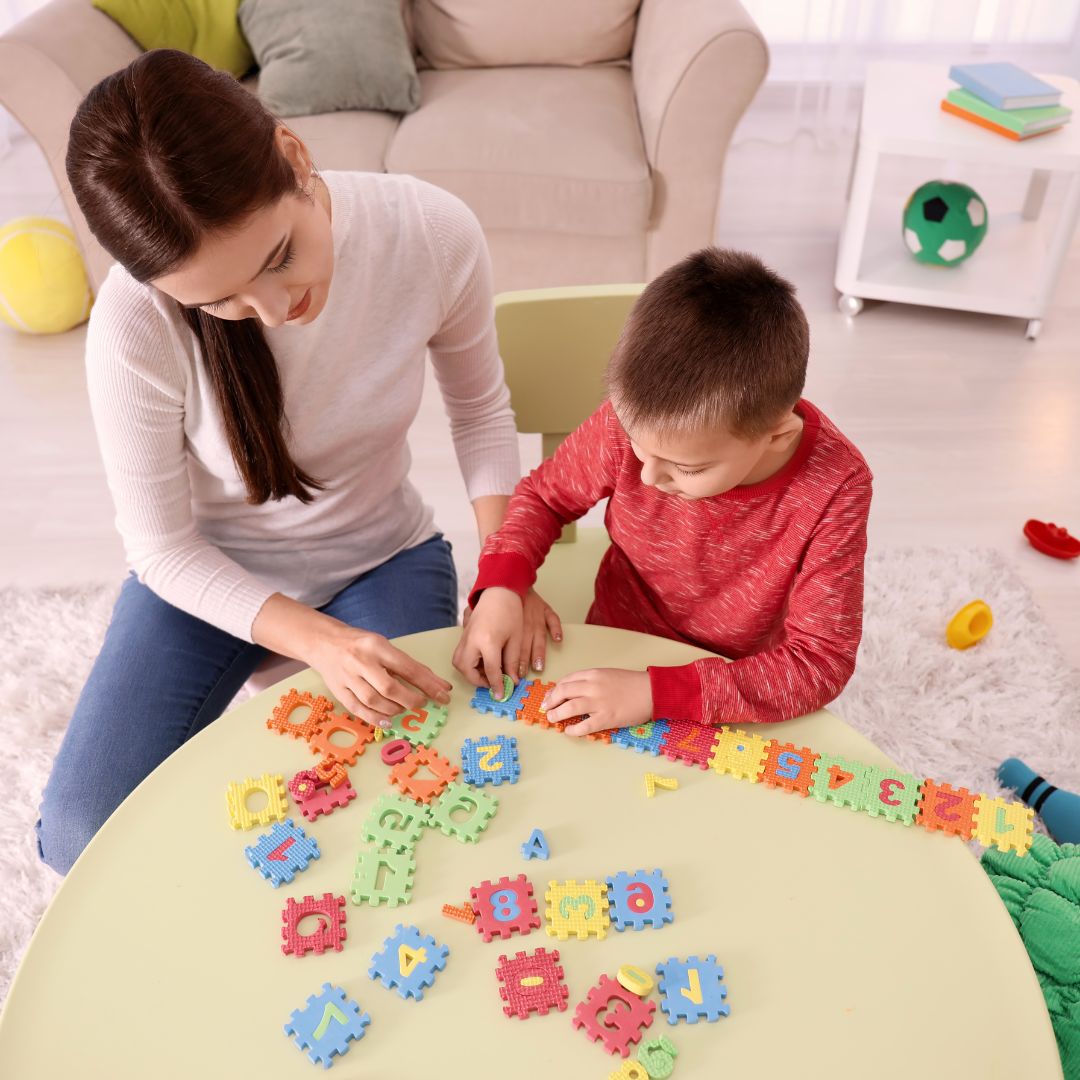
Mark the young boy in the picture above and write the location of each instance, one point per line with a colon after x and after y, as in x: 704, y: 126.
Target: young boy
x: 737, y: 514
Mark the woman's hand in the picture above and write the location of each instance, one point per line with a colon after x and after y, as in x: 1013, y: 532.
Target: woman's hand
x: 490, y: 641
x: 604, y: 698
x: 538, y: 620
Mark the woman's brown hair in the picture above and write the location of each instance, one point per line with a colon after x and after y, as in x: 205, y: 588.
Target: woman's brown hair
x: 161, y: 154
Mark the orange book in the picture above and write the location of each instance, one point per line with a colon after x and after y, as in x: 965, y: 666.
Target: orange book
x: 949, y: 107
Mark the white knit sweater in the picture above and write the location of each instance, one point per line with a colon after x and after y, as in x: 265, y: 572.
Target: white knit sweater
x: 411, y: 275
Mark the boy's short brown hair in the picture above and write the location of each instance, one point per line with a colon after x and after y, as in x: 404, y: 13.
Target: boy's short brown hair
x: 716, y: 340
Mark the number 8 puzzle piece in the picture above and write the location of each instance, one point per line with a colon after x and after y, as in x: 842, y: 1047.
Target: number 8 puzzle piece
x: 505, y: 906
x: 576, y: 908
x: 639, y: 900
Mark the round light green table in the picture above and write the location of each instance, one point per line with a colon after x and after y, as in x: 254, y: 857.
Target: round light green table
x: 852, y: 947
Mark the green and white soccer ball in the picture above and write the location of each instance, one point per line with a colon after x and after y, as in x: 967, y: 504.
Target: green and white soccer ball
x: 944, y: 223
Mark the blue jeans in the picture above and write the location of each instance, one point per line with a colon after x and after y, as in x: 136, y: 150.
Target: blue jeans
x: 163, y: 675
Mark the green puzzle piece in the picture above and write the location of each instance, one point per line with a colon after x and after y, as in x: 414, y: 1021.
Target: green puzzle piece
x: 383, y: 876
x: 891, y: 794
x: 396, y: 822
x: 458, y: 797
x: 419, y: 726
x: 840, y: 781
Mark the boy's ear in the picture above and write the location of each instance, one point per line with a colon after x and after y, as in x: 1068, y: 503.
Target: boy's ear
x: 785, y: 431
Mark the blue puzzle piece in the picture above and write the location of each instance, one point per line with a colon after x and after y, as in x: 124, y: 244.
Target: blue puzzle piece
x: 483, y: 702
x: 692, y: 989
x: 536, y: 846
x: 408, y: 961
x: 639, y: 899
x: 490, y: 761
x: 281, y: 852
x: 645, y: 738
x: 327, y: 1024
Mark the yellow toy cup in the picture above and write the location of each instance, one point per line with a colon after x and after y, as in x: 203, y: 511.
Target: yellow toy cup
x: 969, y: 625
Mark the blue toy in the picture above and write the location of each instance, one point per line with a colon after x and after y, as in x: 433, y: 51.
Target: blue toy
x: 408, y: 961
x: 1059, y: 809
x: 692, y: 989
x: 490, y: 761
x: 535, y: 847
x: 281, y: 852
x: 639, y: 900
x: 327, y: 1024
x: 483, y: 702
x: 645, y: 738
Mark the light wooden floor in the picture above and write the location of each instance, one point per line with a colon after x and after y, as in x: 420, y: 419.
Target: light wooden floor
x: 969, y: 429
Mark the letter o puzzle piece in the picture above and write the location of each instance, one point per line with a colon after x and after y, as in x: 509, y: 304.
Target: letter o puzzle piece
x: 688, y: 742
x: 504, y: 907
x: 789, y: 768
x: 479, y: 805
x: 482, y: 701
x: 613, y: 1015
x: 396, y: 822
x: 639, y: 900
x: 532, y: 983
x: 408, y: 962
x: 1008, y: 826
x: 491, y: 760
x: 840, y: 781
x: 692, y: 989
x: 327, y: 1025
x: 740, y: 754
x: 419, y: 726
x: 383, y: 876
x: 576, y: 908
x: 282, y: 852
x: 330, y: 933
x: 645, y: 738
x: 340, y: 723
x: 236, y: 796
x: 281, y: 720
x: 406, y: 774
x: 948, y: 809
x: 891, y: 794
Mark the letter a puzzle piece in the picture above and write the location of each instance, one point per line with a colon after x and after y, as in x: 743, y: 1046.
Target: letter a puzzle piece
x: 327, y: 1025
x: 383, y: 876
x: 613, y: 1015
x: 740, y: 754
x: 357, y: 731
x: 281, y: 721
x: 460, y: 798
x: 535, y: 847
x: 688, y: 742
x: 408, y: 962
x: 395, y: 822
x: 576, y: 908
x: 840, y: 781
x: 279, y: 854
x: 692, y: 989
x: 492, y: 760
x: 532, y: 983
x: 236, y: 796
x: 330, y: 932
x: 639, y: 900
x: 423, y: 774
x: 789, y: 767
x: 419, y: 726
x: 949, y: 809
x: 482, y: 701
x: 1008, y: 826
x: 891, y: 794
x: 645, y: 738
x: 504, y: 907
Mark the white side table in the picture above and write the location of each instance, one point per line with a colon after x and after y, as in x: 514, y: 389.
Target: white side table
x: 1016, y: 267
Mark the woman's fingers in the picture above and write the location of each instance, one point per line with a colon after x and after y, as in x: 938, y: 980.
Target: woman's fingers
x: 554, y: 624
x: 420, y: 676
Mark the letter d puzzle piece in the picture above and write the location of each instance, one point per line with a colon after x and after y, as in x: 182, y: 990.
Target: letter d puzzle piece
x: 639, y: 900
x: 532, y: 983
x: 236, y: 796
x: 408, y: 962
x: 645, y: 738
x: 740, y: 754
x: 948, y: 809
x: 327, y: 1025
x: 576, y: 908
x: 330, y: 932
x: 692, y: 989
x: 279, y: 854
x: 614, y: 1015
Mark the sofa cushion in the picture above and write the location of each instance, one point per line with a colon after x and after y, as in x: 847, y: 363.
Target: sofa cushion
x: 503, y: 33
x: 555, y: 149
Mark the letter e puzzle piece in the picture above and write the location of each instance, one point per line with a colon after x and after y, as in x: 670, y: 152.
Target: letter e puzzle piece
x: 576, y: 908
x: 691, y: 989
x: 419, y: 726
x: 891, y: 794
x: 613, y: 1015
x: 357, y: 736
x: 326, y: 799
x: 1008, y: 826
x: 492, y: 760
x: 645, y: 738
x: 409, y: 774
x: 789, y: 767
x: 639, y: 900
x: 236, y: 796
x: 327, y: 1025
x: 536, y: 847
x: 383, y: 876
x: 330, y: 933
x: 480, y: 806
x: 482, y: 701
x: 948, y: 809
x: 740, y: 754
x: 532, y: 982
x: 688, y: 742
x: 395, y: 822
x: 840, y: 781
x: 408, y: 962
x: 282, y: 852
x: 505, y: 907
x: 281, y: 721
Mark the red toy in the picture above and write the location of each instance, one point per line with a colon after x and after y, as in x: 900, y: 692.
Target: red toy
x: 304, y: 784
x: 340, y: 723
x: 281, y: 718
x: 614, y: 1015
x: 532, y: 983
x: 395, y: 751
x: 1051, y: 539
x: 329, y: 935
x: 688, y: 742
x: 505, y: 906
x: 423, y: 790
x: 324, y: 800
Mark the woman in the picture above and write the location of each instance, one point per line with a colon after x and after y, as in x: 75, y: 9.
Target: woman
x: 254, y: 363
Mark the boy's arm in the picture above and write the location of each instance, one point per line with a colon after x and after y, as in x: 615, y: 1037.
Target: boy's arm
x: 822, y: 631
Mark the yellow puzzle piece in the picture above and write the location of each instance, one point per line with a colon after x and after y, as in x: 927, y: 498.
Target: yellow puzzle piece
x: 277, y: 806
x: 740, y: 754
x: 652, y: 782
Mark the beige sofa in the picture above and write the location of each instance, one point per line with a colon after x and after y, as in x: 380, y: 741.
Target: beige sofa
x: 588, y: 135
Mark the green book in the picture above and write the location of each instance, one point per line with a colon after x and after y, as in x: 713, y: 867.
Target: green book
x: 1022, y: 121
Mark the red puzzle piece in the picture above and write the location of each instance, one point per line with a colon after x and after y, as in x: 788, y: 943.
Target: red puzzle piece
x: 952, y: 810
x: 532, y: 983
x: 325, y: 800
x: 614, y: 1015
x: 687, y: 741
x: 281, y: 718
x: 789, y: 767
x: 505, y: 906
x: 305, y: 783
x: 423, y: 789
x: 395, y: 751
x: 329, y: 935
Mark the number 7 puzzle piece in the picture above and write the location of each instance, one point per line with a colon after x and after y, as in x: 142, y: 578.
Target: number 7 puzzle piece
x: 576, y: 908
x: 408, y: 962
x: 692, y: 989
x: 327, y: 1025
x: 689, y: 742
x: 279, y: 854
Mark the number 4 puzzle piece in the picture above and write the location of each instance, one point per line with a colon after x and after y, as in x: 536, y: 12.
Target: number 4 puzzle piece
x: 408, y: 962
x: 692, y: 989
x: 327, y: 1025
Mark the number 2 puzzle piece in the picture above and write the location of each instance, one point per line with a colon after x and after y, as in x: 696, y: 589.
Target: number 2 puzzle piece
x: 236, y: 797
x: 948, y: 809
x: 891, y: 794
x: 532, y: 983
x: 408, y: 962
x: 840, y: 781
x: 279, y: 854
x: 330, y: 932
x: 383, y: 876
x: 458, y: 799
x: 326, y: 799
x: 490, y: 761
x: 689, y: 742
x: 1008, y: 826
x: 327, y: 1025
x: 408, y: 776
x: 395, y: 822
x: 505, y: 907
x: 639, y: 900
x: 692, y: 989
x: 644, y: 738
x: 281, y: 721
x: 419, y: 726
x: 357, y: 735
x: 482, y: 701
x: 576, y: 908
x: 789, y: 767
x: 740, y: 754
x: 613, y: 1015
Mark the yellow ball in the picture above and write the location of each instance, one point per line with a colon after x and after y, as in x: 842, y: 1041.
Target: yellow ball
x: 43, y: 285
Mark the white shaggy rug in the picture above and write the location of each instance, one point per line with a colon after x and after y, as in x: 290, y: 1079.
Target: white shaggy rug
x: 937, y: 712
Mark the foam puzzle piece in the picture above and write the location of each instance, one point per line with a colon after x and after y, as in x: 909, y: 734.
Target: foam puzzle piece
x: 891, y: 794
x: 947, y: 809
x: 532, y: 983
x: 789, y: 767
x: 332, y: 772
x: 840, y: 781
x: 395, y: 822
x: 395, y: 751
x: 689, y: 742
x: 507, y: 690
x: 327, y: 1025
x: 331, y: 930
x: 358, y: 732
x: 281, y: 721
x: 419, y: 726
x: 740, y: 754
x: 614, y: 1016
x: 692, y: 989
x: 504, y: 907
x: 463, y: 913
x: 654, y: 781
x: 644, y: 738
x: 383, y: 877
x: 479, y: 805
x: 630, y: 1070
x: 635, y: 979
x: 492, y: 760
x: 270, y: 785
x: 658, y: 1056
x: 639, y: 900
x: 482, y: 701
x: 408, y: 776
x: 325, y: 800
x: 408, y: 962
x: 576, y: 908
x: 305, y: 783
x: 282, y: 852
x: 603, y: 735
x: 532, y: 710
x: 536, y: 847
x: 1008, y: 826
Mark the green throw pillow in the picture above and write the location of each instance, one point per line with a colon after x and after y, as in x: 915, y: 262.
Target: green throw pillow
x: 207, y: 29
x: 331, y: 55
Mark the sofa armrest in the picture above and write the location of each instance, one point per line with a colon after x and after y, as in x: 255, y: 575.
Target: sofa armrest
x: 696, y: 66
x: 48, y: 63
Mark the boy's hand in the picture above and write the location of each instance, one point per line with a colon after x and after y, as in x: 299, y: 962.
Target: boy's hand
x: 490, y: 641
x: 605, y: 697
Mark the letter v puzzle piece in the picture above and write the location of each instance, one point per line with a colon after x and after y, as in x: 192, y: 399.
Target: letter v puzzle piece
x: 281, y: 721
x: 613, y: 1015
x: 236, y: 796
x: 330, y: 932
x: 327, y: 1025
x: 279, y: 854
x: 482, y: 701
x: 408, y: 962
x: 692, y: 989
x: 532, y: 982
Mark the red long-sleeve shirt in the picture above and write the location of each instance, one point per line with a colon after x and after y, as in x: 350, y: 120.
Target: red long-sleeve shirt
x: 768, y: 574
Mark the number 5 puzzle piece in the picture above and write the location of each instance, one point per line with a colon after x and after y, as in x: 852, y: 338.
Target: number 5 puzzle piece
x: 419, y: 726
x: 408, y: 962
x: 236, y: 797
x: 692, y: 989
x: 789, y: 767
x: 458, y: 798
x: 383, y: 876
x: 327, y: 1025
x: 577, y: 908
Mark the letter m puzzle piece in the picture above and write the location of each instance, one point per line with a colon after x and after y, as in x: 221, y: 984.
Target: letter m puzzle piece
x: 327, y: 1024
x: 279, y: 854
x: 408, y: 962
x: 691, y: 989
x: 639, y: 900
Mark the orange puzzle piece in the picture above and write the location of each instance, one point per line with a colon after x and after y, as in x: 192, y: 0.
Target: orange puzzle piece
x: 403, y: 774
x: 789, y: 767
x: 321, y: 742
x: 949, y: 809
x: 281, y: 718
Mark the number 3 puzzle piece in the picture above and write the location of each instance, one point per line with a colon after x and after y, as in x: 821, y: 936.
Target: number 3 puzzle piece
x: 613, y: 1015
x: 577, y: 908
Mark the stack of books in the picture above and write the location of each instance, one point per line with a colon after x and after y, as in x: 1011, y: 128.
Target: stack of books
x: 1005, y: 99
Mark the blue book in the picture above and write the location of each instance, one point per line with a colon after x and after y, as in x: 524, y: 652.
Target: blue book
x: 1005, y: 86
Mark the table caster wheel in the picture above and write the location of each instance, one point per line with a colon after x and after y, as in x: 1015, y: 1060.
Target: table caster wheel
x: 1033, y: 328
x: 849, y: 305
